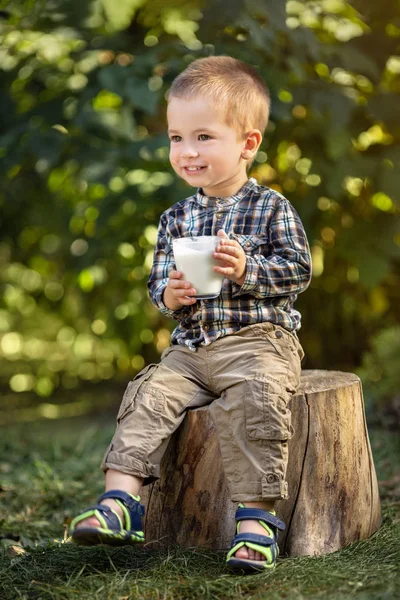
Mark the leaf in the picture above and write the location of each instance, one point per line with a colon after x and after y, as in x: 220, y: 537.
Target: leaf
x: 393, y: 153
x: 47, y: 146
x: 307, y: 43
x: 357, y: 61
x: 329, y: 101
x: 370, y: 247
x: 120, y: 14
x: 216, y: 15
x: 274, y: 12
x: 98, y: 171
x: 127, y: 84
x: 385, y: 107
x: 15, y: 550
x: 341, y: 108
x: 137, y: 90
x: 337, y: 142
x: 113, y: 78
x: 372, y: 268
x: 389, y: 183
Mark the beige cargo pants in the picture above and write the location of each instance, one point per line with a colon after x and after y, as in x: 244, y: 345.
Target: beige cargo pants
x: 247, y: 379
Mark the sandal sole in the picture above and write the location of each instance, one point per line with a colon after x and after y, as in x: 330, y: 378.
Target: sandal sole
x: 248, y: 566
x: 93, y: 537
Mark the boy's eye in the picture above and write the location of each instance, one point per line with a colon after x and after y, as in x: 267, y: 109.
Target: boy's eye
x: 175, y: 138
x: 203, y: 137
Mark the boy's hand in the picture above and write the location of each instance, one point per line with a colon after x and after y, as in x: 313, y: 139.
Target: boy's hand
x: 233, y: 258
x: 177, y: 292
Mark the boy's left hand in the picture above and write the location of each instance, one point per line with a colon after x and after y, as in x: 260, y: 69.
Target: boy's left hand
x: 233, y: 258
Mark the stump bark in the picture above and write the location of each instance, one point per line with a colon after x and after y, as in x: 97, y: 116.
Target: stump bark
x: 333, y: 490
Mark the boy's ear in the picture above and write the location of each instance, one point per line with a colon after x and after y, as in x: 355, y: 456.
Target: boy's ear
x: 252, y: 143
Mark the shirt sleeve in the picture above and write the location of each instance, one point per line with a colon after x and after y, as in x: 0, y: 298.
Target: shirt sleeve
x: 286, y: 268
x: 163, y: 262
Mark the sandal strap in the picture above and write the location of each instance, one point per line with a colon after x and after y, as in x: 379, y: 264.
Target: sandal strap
x: 127, y: 499
x: 108, y: 515
x: 260, y: 540
x: 257, y: 514
x: 136, y: 510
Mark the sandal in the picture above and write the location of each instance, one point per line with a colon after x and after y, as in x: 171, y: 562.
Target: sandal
x: 266, y: 545
x: 111, y: 530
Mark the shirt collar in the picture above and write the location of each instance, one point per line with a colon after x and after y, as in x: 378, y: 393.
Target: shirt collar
x: 249, y: 186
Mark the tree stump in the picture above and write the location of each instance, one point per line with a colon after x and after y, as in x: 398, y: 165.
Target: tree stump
x: 333, y: 491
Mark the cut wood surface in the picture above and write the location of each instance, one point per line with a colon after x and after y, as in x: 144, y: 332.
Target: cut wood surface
x: 333, y: 492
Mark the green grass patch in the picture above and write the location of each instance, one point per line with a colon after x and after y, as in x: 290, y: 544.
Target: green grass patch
x: 50, y: 471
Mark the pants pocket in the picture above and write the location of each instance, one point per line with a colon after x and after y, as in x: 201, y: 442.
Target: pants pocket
x: 128, y: 400
x: 282, y: 342
x: 266, y: 411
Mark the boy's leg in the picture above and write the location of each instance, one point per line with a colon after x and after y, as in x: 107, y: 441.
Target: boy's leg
x: 258, y: 370
x: 152, y: 408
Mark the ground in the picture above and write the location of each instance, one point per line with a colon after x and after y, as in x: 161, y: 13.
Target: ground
x: 49, y: 470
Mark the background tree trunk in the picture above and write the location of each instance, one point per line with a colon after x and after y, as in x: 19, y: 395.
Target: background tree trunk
x: 333, y: 491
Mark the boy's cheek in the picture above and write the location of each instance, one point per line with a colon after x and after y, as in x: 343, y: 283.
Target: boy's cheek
x: 172, y: 157
x: 174, y: 164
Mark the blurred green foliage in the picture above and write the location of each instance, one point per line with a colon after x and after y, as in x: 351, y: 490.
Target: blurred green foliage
x: 380, y: 374
x: 84, y: 171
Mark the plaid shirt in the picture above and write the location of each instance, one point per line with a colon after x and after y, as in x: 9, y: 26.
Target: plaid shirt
x: 278, y: 262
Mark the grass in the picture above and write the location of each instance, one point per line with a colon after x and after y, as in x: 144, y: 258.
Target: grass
x: 49, y: 471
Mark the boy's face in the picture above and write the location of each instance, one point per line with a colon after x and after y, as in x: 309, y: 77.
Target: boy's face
x: 204, y: 150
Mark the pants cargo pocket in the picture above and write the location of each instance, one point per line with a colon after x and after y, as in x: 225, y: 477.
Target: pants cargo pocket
x: 128, y: 400
x: 266, y: 412
x: 268, y: 429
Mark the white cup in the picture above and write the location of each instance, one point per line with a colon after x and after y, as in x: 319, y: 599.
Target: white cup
x: 193, y: 256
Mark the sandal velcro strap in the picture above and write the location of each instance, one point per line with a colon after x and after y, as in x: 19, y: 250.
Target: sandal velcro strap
x: 260, y: 540
x: 108, y: 514
x: 256, y: 514
x: 132, y: 504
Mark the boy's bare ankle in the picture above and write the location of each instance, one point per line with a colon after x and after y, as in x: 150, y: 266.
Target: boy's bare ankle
x: 116, y: 480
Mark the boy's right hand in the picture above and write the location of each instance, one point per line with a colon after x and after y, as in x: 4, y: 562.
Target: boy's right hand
x: 178, y: 292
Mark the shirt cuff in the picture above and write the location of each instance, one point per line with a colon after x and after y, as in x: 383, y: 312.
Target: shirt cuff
x: 250, y: 281
x: 177, y: 315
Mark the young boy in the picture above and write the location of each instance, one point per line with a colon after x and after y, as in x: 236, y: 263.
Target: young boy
x: 239, y: 352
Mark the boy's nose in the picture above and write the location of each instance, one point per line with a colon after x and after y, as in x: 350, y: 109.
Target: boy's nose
x: 189, y: 152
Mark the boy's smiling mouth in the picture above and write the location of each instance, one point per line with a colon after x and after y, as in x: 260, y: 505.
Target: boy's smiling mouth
x: 193, y: 169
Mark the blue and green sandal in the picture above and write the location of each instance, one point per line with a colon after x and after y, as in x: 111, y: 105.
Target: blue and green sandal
x: 113, y: 530
x: 265, y: 545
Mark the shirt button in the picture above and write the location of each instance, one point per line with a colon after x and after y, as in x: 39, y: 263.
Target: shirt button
x: 219, y: 215
x: 278, y: 334
x: 248, y: 244
x: 205, y: 327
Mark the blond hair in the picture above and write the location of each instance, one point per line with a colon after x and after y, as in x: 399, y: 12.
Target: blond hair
x: 233, y: 85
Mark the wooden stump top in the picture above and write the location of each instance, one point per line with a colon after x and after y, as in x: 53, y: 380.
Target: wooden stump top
x: 315, y: 381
